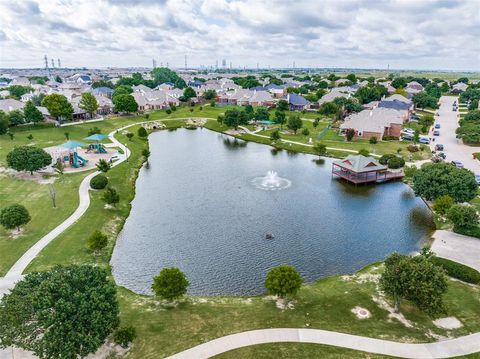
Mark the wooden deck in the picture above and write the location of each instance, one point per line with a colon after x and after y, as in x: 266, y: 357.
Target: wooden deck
x: 369, y: 177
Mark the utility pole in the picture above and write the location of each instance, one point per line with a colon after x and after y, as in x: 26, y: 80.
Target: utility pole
x: 59, y: 63
x: 46, y: 62
x: 186, y: 63
x: 154, y: 63
x: 53, y: 63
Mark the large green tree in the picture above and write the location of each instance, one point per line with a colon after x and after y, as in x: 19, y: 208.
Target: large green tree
x: 416, y: 279
x: 282, y: 105
x: 294, y: 123
x: 371, y: 93
x: 188, y: 93
x: 424, y: 100
x: 67, y: 312
x: 472, y: 116
x: 16, y: 91
x: 170, y: 284
x: 3, y: 123
x: 262, y: 114
x: 14, y: 216
x: 58, y: 106
x: 439, y: 179
x: 32, y: 113
x: 28, y: 158
x: 283, y: 280
x: 328, y: 108
x: 162, y: 74
x: 469, y: 132
x: 125, y: 103
x: 89, y: 103
x: 234, y: 118
x: 463, y: 216
x: 16, y: 117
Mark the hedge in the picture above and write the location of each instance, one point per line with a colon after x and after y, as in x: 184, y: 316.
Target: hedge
x: 458, y: 270
x: 99, y: 182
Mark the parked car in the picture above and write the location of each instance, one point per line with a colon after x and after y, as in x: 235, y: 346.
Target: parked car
x: 454, y: 108
x: 438, y: 147
x: 477, y: 178
x: 407, y: 137
x: 424, y: 140
x: 437, y: 125
x: 414, y: 117
x: 457, y: 164
x: 442, y: 155
x: 436, y: 133
x: 408, y: 131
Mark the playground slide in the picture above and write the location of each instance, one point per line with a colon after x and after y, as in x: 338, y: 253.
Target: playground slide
x: 82, y: 160
x: 102, y: 149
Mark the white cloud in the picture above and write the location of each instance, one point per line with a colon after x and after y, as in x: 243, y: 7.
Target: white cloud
x: 431, y: 34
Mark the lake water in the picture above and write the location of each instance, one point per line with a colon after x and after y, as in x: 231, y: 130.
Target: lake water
x: 198, y: 207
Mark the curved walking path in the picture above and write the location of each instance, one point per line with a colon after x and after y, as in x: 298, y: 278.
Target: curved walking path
x: 445, y: 349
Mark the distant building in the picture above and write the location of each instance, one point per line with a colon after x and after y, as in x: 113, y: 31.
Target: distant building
x: 11, y: 104
x: 297, y: 102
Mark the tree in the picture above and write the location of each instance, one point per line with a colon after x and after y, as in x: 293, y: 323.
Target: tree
x: 99, y: 181
x: 305, y: 131
x: 28, y: 158
x: 188, y: 93
x: 3, y: 123
x: 142, y: 132
x: 32, y: 113
x: 416, y: 279
x: 349, y: 133
x: 110, y: 196
x: 67, y: 312
x: 275, y: 136
x: 103, y: 165
x: 97, y: 241
x: 249, y: 112
x: 122, y: 90
x: 440, y: 179
x: 294, y: 123
x: 282, y: 105
x: 320, y: 149
x: 16, y: 91
x: 58, y: 106
x: 162, y: 75
x: 89, y: 103
x: 261, y: 114
x: 283, y: 280
x: 170, y: 284
x: 125, y: 103
x: 472, y: 116
x: 399, y: 82
x: 103, y: 83
x: 14, y: 216
x: 473, y: 106
x: 146, y: 155
x: 234, y: 118
x: 210, y: 95
x: 371, y: 93
x: 16, y: 117
x: 352, y: 78
x: 129, y: 135
x: 328, y: 109
x: 373, y: 140
x: 280, y: 118
x: 124, y: 336
x: 424, y: 100
x: 463, y: 216
x: 442, y: 204
x: 395, y: 162
x: 469, y: 132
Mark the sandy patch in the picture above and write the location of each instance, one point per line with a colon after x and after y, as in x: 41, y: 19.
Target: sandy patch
x: 108, y: 349
x: 383, y: 304
x: 283, y: 303
x: 448, y: 323
x: 16, y: 233
x: 361, y: 313
x: 40, y: 177
x: 362, y: 278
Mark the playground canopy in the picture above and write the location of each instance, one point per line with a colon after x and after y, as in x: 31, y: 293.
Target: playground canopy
x: 72, y: 144
x: 96, y: 137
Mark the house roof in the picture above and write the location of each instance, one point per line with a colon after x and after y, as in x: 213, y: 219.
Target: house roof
x: 396, y: 102
x: 11, y: 104
x: 374, y: 120
x: 360, y: 164
x: 103, y: 89
x: 296, y: 100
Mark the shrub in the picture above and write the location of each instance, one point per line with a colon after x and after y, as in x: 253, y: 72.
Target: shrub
x: 396, y: 162
x: 110, y: 196
x: 410, y: 171
x: 412, y: 148
x: 97, y: 241
x: 390, y: 138
x: 275, y: 135
x: 171, y: 283
x: 349, y: 134
x: 442, y: 204
x: 384, y: 159
x: 373, y: 140
x: 191, y: 110
x: 305, y: 132
x: 458, y: 270
x: 168, y: 111
x: 142, y: 132
x: 173, y: 108
x: 124, y: 336
x: 283, y: 280
x: 463, y: 216
x: 364, y: 152
x: 99, y: 182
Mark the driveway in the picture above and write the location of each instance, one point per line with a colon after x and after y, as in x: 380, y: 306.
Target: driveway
x: 454, y: 148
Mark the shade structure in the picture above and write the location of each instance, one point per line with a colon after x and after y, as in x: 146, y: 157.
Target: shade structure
x: 72, y: 144
x: 96, y: 137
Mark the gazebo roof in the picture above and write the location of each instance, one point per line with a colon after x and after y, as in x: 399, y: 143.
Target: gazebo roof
x: 359, y: 164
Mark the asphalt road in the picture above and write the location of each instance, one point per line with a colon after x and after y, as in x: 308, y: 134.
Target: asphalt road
x: 454, y: 148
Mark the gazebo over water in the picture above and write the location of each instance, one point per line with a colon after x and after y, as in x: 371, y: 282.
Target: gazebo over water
x: 362, y: 169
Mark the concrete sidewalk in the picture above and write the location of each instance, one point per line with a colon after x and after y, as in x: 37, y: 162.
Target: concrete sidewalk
x: 457, y: 247
x: 445, y: 349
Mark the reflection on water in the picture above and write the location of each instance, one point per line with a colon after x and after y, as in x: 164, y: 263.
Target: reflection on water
x: 201, y: 213
x: 275, y: 151
x: 319, y: 161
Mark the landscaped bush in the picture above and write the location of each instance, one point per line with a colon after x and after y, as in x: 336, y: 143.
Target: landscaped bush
x: 458, y: 270
x: 463, y: 216
x: 390, y: 138
x: 412, y: 148
x: 168, y: 111
x: 124, y: 336
x: 396, y: 162
x: 373, y: 140
x: 99, y: 182
x: 384, y: 159
x: 442, y: 204
x: 364, y: 152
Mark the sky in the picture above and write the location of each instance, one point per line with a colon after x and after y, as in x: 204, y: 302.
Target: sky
x: 399, y: 34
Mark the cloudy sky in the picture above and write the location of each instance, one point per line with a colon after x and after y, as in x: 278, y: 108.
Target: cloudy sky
x: 410, y: 34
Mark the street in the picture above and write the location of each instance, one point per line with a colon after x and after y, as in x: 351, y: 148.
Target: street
x: 454, y: 148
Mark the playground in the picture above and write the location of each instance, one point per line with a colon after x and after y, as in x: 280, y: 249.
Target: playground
x: 76, y: 156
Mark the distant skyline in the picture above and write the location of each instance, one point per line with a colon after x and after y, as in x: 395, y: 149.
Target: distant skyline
x: 410, y: 34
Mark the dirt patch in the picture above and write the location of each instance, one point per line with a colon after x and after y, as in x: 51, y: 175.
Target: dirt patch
x: 448, y: 323
x: 108, y: 350
x: 16, y: 233
x: 383, y: 304
x: 40, y: 177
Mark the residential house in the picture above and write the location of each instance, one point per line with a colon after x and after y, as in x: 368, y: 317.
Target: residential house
x: 399, y: 103
x: 459, y: 87
x: 142, y: 88
x: 20, y: 81
x: 11, y: 104
x: 261, y: 98
x: 345, y: 91
x: 278, y: 91
x: 413, y: 88
x: 105, y: 105
x: 378, y: 122
x: 297, y: 102
x: 103, y: 92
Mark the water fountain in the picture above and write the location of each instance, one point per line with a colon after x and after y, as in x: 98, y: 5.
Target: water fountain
x: 271, y: 182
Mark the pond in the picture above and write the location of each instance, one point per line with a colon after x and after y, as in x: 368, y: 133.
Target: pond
x: 206, y: 205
